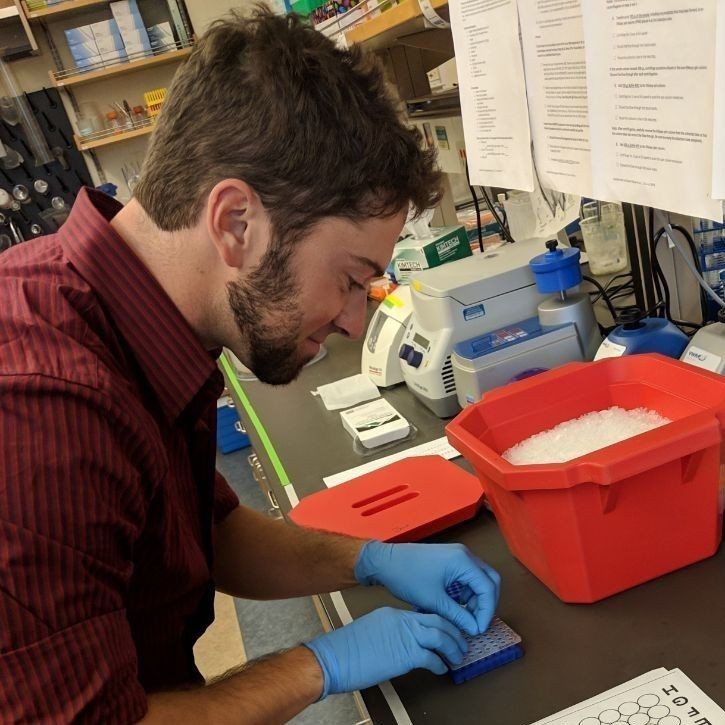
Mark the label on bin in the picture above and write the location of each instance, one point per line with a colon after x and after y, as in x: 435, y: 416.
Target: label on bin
x: 702, y: 359
x: 609, y: 349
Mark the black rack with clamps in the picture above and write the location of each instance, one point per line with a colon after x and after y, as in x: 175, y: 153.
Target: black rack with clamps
x: 41, y: 196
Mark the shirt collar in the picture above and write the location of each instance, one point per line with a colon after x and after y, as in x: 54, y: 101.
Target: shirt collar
x: 171, y: 356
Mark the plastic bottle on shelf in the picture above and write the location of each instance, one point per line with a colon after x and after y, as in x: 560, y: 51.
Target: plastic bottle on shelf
x: 112, y: 122
x: 139, y: 116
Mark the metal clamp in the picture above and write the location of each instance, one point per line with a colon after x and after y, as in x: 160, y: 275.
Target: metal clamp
x: 273, y: 500
x: 260, y: 477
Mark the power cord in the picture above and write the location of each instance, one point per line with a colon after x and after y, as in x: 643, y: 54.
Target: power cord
x: 503, y: 224
x: 694, y: 269
x: 476, y: 207
x: 609, y: 293
x: 604, y: 296
x: 660, y: 281
x: 613, y: 291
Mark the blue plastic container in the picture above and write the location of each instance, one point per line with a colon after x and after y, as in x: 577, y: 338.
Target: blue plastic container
x: 230, y: 435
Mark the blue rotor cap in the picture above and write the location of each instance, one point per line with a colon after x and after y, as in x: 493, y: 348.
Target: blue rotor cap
x: 556, y: 270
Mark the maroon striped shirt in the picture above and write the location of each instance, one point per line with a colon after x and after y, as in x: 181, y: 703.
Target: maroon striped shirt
x: 107, y: 481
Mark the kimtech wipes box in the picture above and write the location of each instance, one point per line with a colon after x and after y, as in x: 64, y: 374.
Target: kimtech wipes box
x: 414, y: 254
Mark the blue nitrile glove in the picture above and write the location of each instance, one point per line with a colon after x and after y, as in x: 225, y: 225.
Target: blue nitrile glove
x: 383, y: 644
x: 420, y: 573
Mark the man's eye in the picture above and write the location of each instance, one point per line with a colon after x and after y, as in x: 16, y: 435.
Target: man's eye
x: 354, y: 284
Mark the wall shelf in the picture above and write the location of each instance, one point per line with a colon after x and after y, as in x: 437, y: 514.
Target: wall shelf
x: 106, y: 138
x: 9, y: 12
x: 77, y: 77
x: 383, y: 31
x: 53, y: 11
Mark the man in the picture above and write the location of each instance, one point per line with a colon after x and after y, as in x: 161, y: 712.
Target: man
x: 276, y: 183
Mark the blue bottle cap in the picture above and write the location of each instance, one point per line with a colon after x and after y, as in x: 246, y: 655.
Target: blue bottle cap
x: 556, y: 270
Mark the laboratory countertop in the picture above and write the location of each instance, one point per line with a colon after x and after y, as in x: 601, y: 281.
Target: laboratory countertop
x: 572, y: 652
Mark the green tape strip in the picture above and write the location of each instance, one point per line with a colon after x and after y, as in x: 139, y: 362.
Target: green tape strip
x: 254, y: 420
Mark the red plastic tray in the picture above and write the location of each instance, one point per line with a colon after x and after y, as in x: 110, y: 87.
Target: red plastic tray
x: 406, y: 501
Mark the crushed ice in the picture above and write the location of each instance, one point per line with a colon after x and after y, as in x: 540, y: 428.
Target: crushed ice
x: 582, y: 435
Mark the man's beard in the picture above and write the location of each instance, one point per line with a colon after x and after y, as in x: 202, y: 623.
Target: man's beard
x: 269, y: 321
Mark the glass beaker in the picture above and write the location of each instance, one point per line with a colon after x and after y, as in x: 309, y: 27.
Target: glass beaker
x: 600, y: 209
x: 605, y: 241
x: 89, y: 118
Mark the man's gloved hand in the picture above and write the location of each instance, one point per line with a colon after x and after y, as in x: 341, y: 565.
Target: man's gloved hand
x: 383, y: 644
x: 420, y: 573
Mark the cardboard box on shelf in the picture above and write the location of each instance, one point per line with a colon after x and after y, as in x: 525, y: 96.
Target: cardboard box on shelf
x: 95, y: 62
x: 79, y: 36
x: 106, y: 40
x: 137, y: 42
x: 104, y: 28
x: 131, y: 26
x: 161, y: 37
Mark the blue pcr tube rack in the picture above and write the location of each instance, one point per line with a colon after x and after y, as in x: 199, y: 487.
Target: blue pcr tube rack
x: 497, y: 646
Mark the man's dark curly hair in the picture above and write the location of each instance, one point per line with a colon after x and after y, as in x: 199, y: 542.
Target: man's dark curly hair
x: 313, y: 128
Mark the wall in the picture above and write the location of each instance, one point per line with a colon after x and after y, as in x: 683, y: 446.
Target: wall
x: 203, y: 12
x: 32, y: 74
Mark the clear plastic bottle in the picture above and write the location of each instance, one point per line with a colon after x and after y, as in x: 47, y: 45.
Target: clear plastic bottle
x: 112, y: 122
x: 139, y: 115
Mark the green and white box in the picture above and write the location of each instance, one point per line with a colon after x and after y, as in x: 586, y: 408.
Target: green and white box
x: 412, y: 254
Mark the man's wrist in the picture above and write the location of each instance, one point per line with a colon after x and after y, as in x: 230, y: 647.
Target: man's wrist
x: 368, y: 561
x: 309, y: 669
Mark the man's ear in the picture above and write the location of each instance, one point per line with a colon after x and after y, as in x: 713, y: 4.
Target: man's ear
x: 234, y: 214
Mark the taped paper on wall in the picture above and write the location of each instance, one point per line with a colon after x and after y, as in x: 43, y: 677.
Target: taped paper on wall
x: 650, y: 76
x: 552, y: 36
x: 492, y: 92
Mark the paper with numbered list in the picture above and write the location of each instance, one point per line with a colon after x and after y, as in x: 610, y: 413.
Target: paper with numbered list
x: 718, y: 141
x: 493, y: 92
x: 552, y: 37
x: 650, y: 80
x: 437, y: 447
x: 657, y: 698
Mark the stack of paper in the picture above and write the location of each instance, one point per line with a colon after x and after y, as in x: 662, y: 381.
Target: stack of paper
x: 437, y: 447
x: 662, y: 697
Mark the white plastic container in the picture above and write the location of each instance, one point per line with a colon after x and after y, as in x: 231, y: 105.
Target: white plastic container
x: 374, y: 424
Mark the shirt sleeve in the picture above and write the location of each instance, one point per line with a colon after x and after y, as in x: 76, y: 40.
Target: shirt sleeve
x: 71, y: 509
x: 225, y: 500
